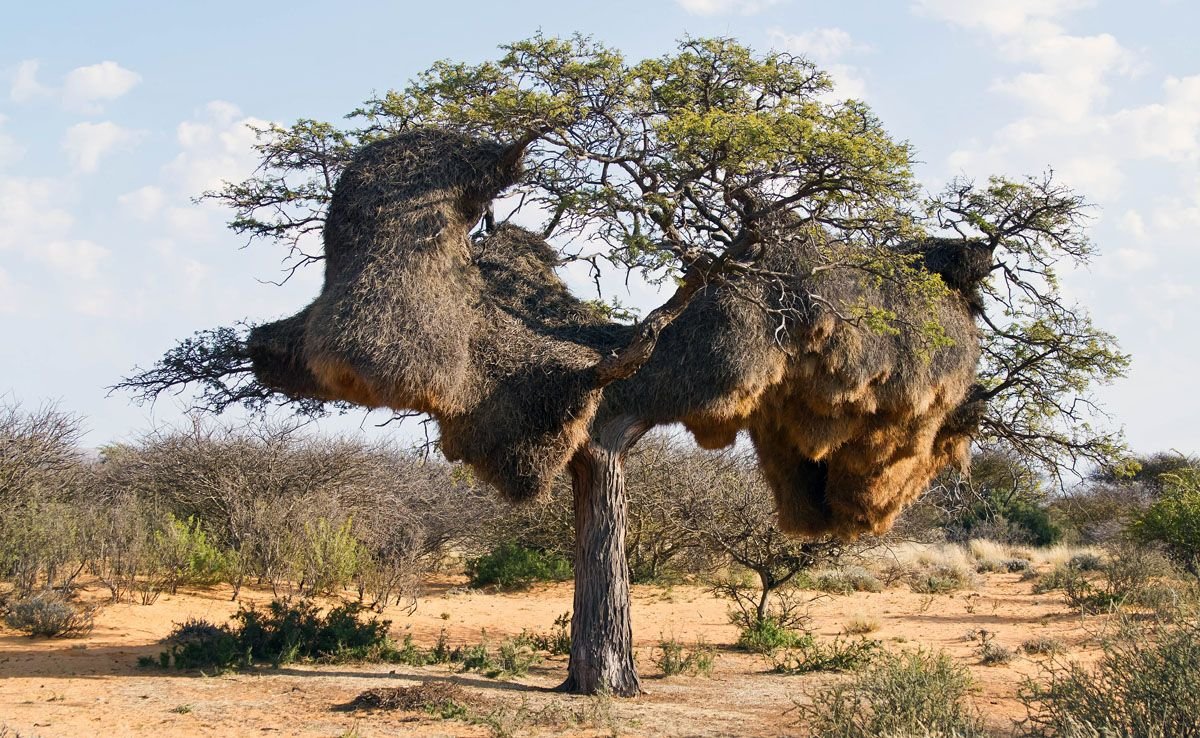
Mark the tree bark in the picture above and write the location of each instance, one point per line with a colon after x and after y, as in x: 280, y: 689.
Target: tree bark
x: 601, y: 630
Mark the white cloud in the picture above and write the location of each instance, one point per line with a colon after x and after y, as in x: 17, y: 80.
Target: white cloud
x: 821, y: 44
x: 1134, y: 224
x: 721, y: 7
x: 827, y: 47
x: 25, y: 86
x: 215, y: 148
x: 87, y: 143
x: 999, y: 16
x: 10, y: 150
x: 86, y: 87
x: 31, y: 213
x: 1133, y: 260
x: 74, y: 258
x: 143, y: 203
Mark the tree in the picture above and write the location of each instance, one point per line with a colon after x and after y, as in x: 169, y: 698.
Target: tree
x: 806, y: 284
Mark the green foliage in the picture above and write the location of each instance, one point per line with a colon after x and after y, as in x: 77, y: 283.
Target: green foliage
x: 511, y: 658
x: 910, y: 694
x: 513, y: 565
x: 1173, y: 520
x: 185, y: 554
x: 330, y: 556
x: 766, y: 636
x: 1147, y: 685
x: 672, y: 658
x: 808, y: 655
x: 285, y: 632
x: 48, y: 614
x: 558, y: 641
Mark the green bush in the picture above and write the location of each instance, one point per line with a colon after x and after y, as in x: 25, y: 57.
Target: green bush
x: 48, y: 614
x: 673, y: 658
x: 841, y: 654
x: 910, y: 694
x: 512, y: 658
x: 1174, y: 519
x: 1147, y: 685
x: 513, y: 565
x: 765, y: 636
x: 558, y: 641
x: 330, y: 556
x: 186, y: 555
x: 284, y: 633
x: 199, y: 644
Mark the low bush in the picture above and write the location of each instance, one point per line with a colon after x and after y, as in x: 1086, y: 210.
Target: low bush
x: 1173, y: 520
x: 1147, y: 685
x: 558, y: 641
x: 990, y: 653
x: 673, y: 658
x: 909, y: 694
x: 766, y: 636
x: 285, y: 632
x: 511, y: 658
x: 512, y: 565
x: 49, y: 614
x: 861, y: 626
x: 846, y: 580
x: 809, y: 655
x: 1042, y: 646
x: 941, y: 579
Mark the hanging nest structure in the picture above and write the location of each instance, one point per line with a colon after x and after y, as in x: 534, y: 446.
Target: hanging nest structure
x: 849, y: 423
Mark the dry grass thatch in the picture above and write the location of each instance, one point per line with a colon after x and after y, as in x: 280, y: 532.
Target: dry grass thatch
x: 849, y: 423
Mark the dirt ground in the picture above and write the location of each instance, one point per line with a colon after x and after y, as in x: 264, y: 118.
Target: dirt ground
x: 92, y: 686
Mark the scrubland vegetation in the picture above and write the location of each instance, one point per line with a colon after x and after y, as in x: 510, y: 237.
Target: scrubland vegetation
x: 334, y: 531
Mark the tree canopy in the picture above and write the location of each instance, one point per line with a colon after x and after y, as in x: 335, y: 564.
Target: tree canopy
x: 675, y: 167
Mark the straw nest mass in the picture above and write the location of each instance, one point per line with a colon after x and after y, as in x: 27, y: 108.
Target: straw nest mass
x: 848, y: 423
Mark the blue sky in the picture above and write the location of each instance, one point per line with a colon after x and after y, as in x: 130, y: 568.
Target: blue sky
x: 114, y: 115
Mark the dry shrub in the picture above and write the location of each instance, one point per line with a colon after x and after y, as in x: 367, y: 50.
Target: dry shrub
x: 49, y: 614
x: 1147, y: 685
x: 909, y: 694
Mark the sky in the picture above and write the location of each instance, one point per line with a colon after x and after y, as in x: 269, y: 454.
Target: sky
x: 115, y: 115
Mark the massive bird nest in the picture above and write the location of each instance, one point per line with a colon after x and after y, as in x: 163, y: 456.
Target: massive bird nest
x: 849, y: 423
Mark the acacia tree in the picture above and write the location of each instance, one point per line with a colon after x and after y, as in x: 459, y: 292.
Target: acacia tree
x: 678, y: 167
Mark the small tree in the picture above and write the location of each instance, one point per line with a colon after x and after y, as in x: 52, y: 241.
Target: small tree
x: 1174, y: 518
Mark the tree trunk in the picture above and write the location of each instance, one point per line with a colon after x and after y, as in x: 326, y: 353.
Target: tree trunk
x: 601, y: 631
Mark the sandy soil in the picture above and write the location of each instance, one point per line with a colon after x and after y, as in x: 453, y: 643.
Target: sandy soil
x: 92, y: 686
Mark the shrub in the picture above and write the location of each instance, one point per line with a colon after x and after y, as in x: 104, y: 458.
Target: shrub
x: 1014, y: 566
x: 765, y: 636
x: 199, y: 644
x: 1147, y: 685
x: 861, y: 626
x: 330, y: 556
x: 1174, y: 519
x: 512, y: 658
x: 558, y: 641
x: 846, y: 580
x: 1042, y: 646
x: 1086, y: 562
x: 674, y: 659
x: 809, y: 655
x: 48, y: 614
x: 185, y: 554
x: 910, y: 694
x: 940, y: 579
x: 990, y: 653
x: 513, y: 565
x: 285, y: 632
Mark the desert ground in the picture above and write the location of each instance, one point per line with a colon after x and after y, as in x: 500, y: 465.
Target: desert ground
x: 94, y: 686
